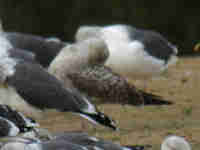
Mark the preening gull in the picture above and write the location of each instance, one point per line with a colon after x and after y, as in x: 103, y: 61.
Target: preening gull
x: 82, y: 64
x: 79, y: 55
x: 42, y: 90
x: 134, y: 53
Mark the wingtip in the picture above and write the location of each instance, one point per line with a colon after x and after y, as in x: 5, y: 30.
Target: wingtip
x: 100, y: 118
x: 136, y: 147
x: 151, y: 99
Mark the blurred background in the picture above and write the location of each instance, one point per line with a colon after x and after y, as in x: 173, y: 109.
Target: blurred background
x: 177, y: 20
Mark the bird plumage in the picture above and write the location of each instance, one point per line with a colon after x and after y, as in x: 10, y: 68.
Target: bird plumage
x: 83, y: 139
x: 8, y: 128
x: 43, y: 48
x: 100, y: 81
x: 134, y: 53
x: 42, y: 90
x: 82, y: 65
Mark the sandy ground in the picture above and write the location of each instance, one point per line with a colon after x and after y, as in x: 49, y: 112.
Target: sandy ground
x: 149, y: 124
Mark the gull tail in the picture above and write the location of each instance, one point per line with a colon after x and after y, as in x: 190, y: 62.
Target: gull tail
x: 151, y: 99
x: 99, y: 118
x: 136, y: 147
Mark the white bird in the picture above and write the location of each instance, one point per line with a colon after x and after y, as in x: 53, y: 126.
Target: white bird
x: 134, y: 53
x: 174, y: 142
x: 39, y: 89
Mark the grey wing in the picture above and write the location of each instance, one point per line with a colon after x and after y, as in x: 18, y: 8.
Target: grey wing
x: 81, y: 138
x: 45, y: 51
x: 22, y: 54
x: 40, y: 89
x: 154, y: 43
x: 59, y: 144
x: 84, y: 139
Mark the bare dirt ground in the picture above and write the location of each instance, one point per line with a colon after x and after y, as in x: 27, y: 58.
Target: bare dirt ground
x: 149, y: 124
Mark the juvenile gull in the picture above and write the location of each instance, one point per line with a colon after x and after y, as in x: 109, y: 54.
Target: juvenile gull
x: 41, y: 90
x: 134, y: 53
x: 82, y: 64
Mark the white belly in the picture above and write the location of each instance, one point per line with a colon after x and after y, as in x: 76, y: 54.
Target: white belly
x: 133, y: 62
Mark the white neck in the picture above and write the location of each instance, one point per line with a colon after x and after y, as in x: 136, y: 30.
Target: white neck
x: 7, y: 64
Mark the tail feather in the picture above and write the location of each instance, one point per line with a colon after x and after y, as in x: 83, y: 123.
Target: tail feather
x: 151, y: 99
